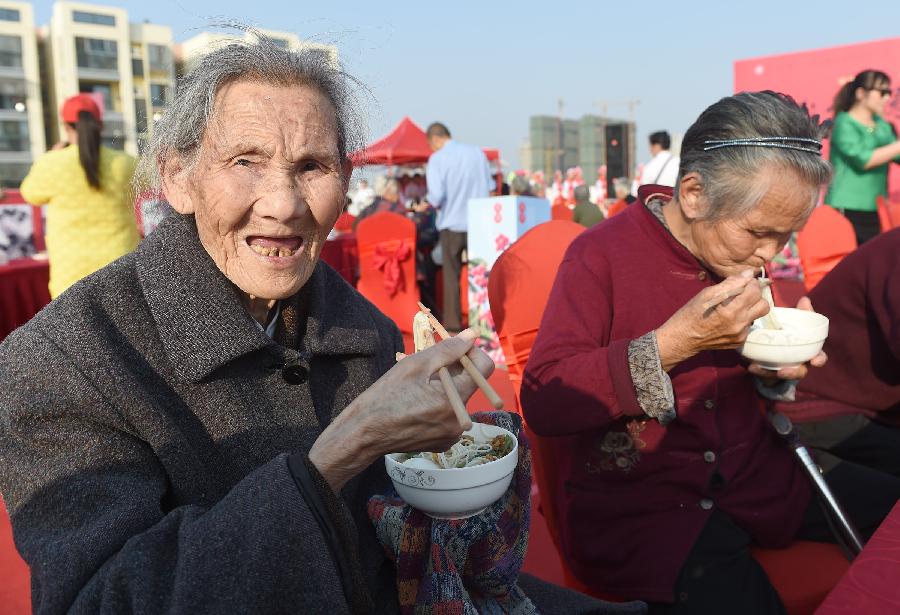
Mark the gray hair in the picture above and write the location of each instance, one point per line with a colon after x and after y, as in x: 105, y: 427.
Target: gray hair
x: 520, y: 185
x: 180, y: 131
x: 581, y: 193
x: 731, y: 176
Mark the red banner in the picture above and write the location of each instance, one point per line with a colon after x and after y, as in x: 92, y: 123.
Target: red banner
x: 814, y: 77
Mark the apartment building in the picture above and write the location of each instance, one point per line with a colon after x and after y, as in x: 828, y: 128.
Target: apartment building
x: 89, y: 51
x: 153, y: 74
x: 21, y: 109
x: 130, y: 68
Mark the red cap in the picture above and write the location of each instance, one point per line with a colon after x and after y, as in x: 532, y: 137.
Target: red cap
x: 78, y: 103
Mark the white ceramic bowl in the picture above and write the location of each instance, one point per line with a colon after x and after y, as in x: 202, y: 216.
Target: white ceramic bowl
x: 455, y: 493
x: 799, y: 340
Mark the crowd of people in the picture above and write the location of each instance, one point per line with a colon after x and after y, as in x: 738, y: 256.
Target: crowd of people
x: 200, y: 425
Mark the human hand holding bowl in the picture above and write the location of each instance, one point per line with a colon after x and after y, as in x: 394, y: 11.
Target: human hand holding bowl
x: 405, y: 410
x: 695, y: 328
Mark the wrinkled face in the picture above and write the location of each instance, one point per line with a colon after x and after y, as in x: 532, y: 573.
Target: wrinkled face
x: 731, y: 245
x: 267, y: 187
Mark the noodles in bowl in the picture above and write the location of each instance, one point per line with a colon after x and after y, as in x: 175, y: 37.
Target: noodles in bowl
x: 462, y: 481
x: 466, y: 453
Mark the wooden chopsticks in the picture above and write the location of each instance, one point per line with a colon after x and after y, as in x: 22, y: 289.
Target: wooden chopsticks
x: 466, y: 362
x: 424, y: 338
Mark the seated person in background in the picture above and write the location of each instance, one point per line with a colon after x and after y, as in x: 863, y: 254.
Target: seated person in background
x: 520, y: 186
x: 849, y: 409
x: 668, y: 470
x: 623, y: 196
x: 586, y: 213
x: 389, y: 201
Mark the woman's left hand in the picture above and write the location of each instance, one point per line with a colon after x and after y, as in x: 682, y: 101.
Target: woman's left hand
x: 793, y: 372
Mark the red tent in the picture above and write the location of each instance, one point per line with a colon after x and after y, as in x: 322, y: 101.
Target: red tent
x: 406, y: 144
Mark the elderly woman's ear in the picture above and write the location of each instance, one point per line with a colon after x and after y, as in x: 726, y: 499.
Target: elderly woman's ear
x: 174, y: 184
x: 347, y: 171
x: 690, y: 196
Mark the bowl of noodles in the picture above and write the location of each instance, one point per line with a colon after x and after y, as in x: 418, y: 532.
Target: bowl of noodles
x: 462, y: 481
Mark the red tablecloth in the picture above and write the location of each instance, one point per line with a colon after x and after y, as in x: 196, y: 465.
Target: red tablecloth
x: 23, y: 292
x: 872, y: 584
x: 342, y: 255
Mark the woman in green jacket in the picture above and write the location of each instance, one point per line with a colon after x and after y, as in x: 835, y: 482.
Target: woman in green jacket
x: 862, y: 146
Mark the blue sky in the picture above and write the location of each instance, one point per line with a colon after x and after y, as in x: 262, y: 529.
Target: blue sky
x: 484, y: 67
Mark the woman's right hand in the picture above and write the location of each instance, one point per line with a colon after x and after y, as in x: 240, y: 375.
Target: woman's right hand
x: 693, y: 329
x: 404, y: 410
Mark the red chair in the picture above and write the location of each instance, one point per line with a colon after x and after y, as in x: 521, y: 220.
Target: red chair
x: 888, y: 214
x: 344, y: 223
x: 15, y: 584
x: 617, y: 208
x: 387, y: 265
x: 518, y: 288
x: 824, y: 242
x: 561, y: 212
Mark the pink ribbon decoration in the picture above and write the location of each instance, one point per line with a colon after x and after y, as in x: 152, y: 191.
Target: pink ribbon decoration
x: 388, y: 262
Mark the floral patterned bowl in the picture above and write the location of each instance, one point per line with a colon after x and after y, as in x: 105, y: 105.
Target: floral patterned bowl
x: 455, y: 493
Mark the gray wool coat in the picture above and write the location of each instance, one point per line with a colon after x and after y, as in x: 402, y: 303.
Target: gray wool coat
x: 145, y: 432
x: 148, y: 441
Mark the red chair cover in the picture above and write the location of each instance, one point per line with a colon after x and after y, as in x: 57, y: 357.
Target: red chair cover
x: 519, y: 286
x: 561, y: 212
x: 344, y: 223
x: 387, y: 265
x: 803, y: 574
x: 387, y: 259
x: 341, y: 254
x: 888, y: 214
x: 825, y: 240
x: 616, y: 208
x: 23, y: 292
x: 15, y: 584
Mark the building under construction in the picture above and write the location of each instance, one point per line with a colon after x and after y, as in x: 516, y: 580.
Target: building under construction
x: 590, y: 142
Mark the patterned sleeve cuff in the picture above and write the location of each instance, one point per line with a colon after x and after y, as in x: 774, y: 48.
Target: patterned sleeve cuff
x: 782, y: 390
x: 651, y: 384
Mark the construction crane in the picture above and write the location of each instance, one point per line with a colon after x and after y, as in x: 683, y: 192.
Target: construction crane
x: 631, y: 103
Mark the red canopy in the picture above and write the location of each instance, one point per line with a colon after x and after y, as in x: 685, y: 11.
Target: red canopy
x: 406, y: 144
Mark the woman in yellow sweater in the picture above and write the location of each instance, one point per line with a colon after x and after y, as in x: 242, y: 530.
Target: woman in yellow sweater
x: 90, y: 217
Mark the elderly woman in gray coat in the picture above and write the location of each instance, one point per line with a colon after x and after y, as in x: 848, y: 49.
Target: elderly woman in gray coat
x: 197, y: 427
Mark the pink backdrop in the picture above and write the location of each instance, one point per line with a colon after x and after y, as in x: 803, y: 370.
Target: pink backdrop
x: 815, y: 76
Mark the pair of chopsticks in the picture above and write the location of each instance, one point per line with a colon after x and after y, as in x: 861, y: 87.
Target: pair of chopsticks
x: 456, y: 402
x: 466, y: 362
x: 734, y: 292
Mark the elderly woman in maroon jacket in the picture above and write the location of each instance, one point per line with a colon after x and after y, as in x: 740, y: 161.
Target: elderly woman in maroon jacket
x: 669, y: 467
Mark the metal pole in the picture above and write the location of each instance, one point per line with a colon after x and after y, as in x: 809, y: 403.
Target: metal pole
x: 785, y: 428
